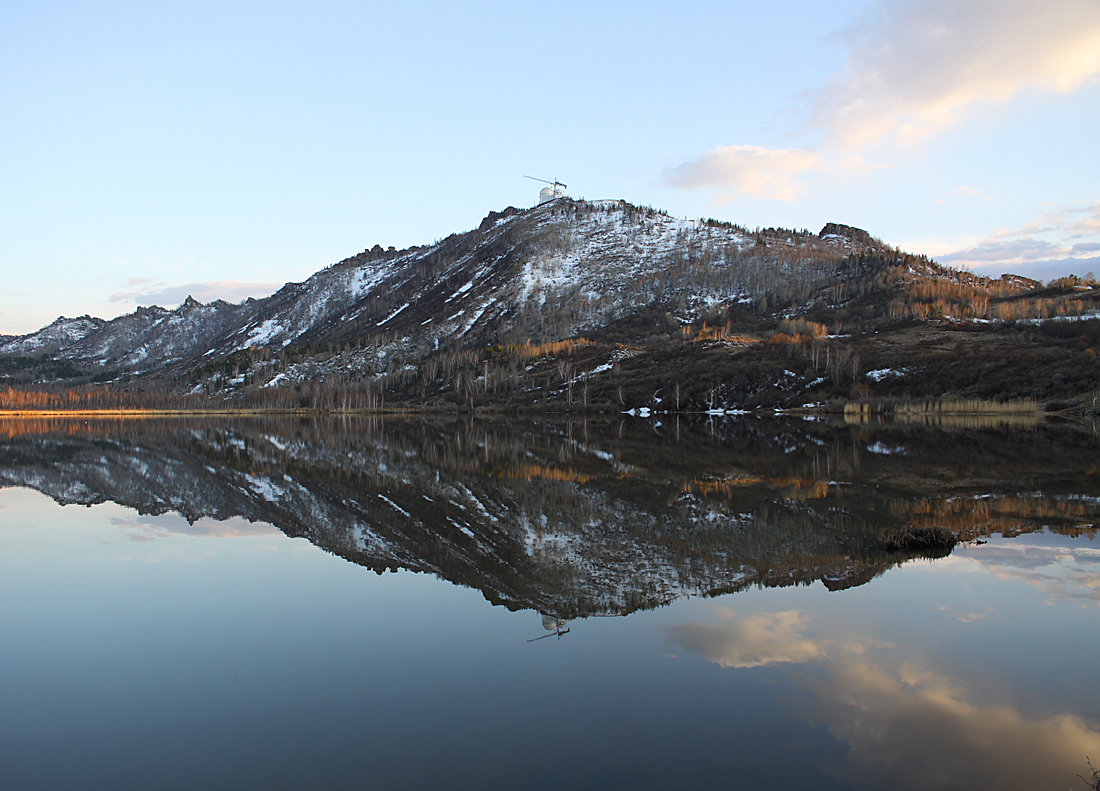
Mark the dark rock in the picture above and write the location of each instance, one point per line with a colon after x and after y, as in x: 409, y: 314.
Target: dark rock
x: 856, y: 235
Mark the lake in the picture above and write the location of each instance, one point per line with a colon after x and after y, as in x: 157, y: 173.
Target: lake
x: 602, y: 603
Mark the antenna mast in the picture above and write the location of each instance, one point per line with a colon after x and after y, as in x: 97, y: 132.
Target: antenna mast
x: 555, y: 190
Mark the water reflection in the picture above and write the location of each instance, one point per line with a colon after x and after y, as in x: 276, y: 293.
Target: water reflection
x: 576, y: 518
x: 183, y: 631
x: 1057, y: 572
x: 909, y: 727
x: 752, y: 640
x: 921, y: 710
x: 554, y: 625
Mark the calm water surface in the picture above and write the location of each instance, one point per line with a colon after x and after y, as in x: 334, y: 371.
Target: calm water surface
x: 433, y: 605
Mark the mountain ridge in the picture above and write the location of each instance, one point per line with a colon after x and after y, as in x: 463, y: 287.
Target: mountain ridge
x: 415, y: 325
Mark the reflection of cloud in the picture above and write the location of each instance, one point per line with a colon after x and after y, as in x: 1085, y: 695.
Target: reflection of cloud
x: 915, y: 729
x: 906, y: 725
x: 751, y: 640
x: 753, y: 170
x: 147, y: 292
x: 966, y: 617
x: 143, y: 527
x: 917, y: 66
x: 1057, y: 571
x: 763, y: 638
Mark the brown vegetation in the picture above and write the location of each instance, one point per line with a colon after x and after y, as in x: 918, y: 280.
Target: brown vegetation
x: 919, y: 539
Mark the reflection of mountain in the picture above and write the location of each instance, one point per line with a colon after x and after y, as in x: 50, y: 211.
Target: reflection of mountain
x: 576, y: 518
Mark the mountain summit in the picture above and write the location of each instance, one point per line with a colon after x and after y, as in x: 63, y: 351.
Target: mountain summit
x: 572, y: 302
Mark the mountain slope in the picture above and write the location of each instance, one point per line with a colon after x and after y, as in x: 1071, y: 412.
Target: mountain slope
x: 594, y: 260
x: 535, y: 304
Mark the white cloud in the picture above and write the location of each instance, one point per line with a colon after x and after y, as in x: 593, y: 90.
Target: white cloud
x: 1073, y: 222
x: 752, y: 640
x: 915, y: 68
x: 893, y: 721
x: 144, y: 291
x: 919, y: 66
x: 143, y: 528
x: 759, y: 172
x: 1064, y: 572
x: 1072, y: 246
x: 1016, y: 251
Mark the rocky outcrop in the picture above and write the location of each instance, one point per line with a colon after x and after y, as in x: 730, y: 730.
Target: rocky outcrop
x: 857, y: 236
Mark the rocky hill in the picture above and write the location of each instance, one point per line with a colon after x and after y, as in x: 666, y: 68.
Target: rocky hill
x: 577, y: 305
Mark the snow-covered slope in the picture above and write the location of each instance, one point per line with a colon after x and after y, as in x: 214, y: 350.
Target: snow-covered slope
x: 62, y: 333
x: 545, y: 274
x: 563, y: 268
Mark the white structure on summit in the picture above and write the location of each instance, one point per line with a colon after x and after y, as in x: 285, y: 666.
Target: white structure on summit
x: 555, y: 190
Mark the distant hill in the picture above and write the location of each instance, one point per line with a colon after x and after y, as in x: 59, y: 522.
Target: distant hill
x: 582, y: 305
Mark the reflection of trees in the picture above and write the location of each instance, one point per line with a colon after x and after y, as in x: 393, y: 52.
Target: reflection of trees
x: 575, y: 518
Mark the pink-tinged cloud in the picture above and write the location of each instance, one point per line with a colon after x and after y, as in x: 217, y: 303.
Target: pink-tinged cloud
x: 917, y: 67
x: 1015, y: 251
x: 166, y: 295
x: 1032, y: 258
x: 142, y: 528
x: 894, y: 720
x: 1071, y: 246
x: 770, y: 173
x: 1074, y: 222
x: 753, y: 640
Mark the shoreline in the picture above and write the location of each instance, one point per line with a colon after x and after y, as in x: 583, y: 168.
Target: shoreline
x: 849, y: 410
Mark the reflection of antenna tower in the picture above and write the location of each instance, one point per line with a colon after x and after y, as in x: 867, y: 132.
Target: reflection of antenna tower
x: 555, y: 190
x: 556, y: 626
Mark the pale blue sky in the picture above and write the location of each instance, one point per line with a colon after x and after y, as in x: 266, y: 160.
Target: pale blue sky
x: 150, y: 150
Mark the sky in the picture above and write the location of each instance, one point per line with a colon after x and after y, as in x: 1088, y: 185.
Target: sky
x: 151, y: 151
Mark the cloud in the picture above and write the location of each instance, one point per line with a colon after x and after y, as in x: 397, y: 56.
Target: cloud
x: 770, y: 173
x: 144, y: 291
x: 1045, y: 269
x: 1059, y: 572
x: 142, y: 528
x: 750, y: 641
x: 915, y: 68
x: 1072, y: 222
x: 919, y: 66
x: 1023, y: 250
x: 892, y: 721
x: 1016, y: 251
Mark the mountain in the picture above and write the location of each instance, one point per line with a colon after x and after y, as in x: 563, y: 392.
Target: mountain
x: 61, y: 334
x: 579, y: 304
